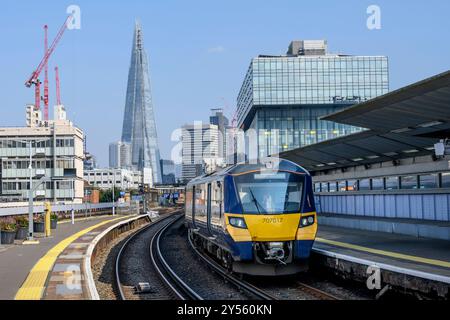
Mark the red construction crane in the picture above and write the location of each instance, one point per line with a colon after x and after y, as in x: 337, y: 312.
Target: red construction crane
x: 58, y: 92
x: 46, y: 74
x: 34, y: 78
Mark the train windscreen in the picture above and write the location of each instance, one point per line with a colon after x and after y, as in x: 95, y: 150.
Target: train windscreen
x: 270, y: 193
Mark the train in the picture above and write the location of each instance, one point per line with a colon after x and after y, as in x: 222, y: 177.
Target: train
x: 254, y: 218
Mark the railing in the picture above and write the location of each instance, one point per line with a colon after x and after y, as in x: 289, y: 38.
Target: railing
x: 12, y: 211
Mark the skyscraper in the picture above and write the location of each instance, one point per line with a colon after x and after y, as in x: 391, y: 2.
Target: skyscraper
x: 218, y: 118
x: 139, y: 127
x: 120, y: 155
x: 199, y: 145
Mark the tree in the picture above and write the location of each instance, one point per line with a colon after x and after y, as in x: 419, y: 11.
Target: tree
x: 106, y: 195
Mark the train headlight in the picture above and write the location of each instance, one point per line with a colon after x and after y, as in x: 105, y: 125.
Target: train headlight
x: 237, y: 222
x: 306, y: 221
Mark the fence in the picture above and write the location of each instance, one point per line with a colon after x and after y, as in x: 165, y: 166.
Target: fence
x: 82, y: 207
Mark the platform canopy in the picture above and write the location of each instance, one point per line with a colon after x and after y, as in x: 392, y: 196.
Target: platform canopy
x: 401, y: 124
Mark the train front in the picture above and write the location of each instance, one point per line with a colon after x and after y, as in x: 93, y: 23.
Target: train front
x: 270, y: 218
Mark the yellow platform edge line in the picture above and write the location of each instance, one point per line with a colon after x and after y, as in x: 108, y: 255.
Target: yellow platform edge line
x: 397, y: 255
x: 34, y: 285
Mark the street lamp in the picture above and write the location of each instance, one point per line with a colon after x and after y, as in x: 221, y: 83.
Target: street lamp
x: 114, y: 183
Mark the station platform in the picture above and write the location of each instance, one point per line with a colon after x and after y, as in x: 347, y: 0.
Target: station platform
x: 406, y: 261
x: 24, y: 268
x: 420, y: 228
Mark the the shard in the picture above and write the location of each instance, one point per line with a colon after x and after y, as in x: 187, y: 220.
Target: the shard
x: 139, y: 127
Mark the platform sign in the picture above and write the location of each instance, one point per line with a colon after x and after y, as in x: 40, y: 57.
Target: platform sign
x: 137, y: 198
x: 176, y: 195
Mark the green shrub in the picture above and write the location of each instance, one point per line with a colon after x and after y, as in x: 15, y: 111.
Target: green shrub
x: 54, y: 216
x: 22, y: 222
x: 8, y: 224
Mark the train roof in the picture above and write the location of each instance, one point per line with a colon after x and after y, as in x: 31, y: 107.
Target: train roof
x: 283, y: 164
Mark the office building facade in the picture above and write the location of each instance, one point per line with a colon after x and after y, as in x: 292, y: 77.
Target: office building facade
x: 119, y: 178
x: 56, y: 150
x: 139, y: 125
x: 168, y: 171
x: 200, y: 144
x: 283, y: 97
x: 119, y: 155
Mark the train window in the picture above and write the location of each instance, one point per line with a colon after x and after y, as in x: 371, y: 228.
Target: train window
x: 342, y: 185
x: 332, y: 186
x: 189, y: 195
x: 364, y: 184
x: 201, y: 202
x: 264, y: 195
x: 378, y: 184
x: 216, y: 203
x: 352, y: 185
x: 324, y: 186
x: 429, y: 181
x: 445, y: 182
x: 408, y: 182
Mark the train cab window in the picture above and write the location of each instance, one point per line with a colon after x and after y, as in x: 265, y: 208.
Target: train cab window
x: 445, y: 180
x: 270, y: 193
x: 429, y: 181
x: 392, y: 183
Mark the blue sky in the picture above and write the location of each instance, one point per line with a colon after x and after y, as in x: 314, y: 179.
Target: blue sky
x: 199, y: 52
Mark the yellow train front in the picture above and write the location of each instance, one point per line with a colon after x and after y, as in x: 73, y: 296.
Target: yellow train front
x: 257, y: 219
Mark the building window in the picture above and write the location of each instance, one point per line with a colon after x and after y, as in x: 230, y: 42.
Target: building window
x: 332, y: 186
x: 317, y: 187
x: 445, y: 180
x: 378, y: 184
x: 392, y: 183
x: 408, y: 182
x: 352, y: 185
x: 364, y: 184
x: 429, y: 181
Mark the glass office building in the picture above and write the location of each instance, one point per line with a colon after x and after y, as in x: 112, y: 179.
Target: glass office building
x: 283, y: 97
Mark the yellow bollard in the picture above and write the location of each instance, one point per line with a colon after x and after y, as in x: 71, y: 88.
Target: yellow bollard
x: 48, y: 212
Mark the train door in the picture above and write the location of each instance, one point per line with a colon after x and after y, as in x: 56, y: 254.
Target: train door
x: 193, y: 206
x: 217, y: 205
x: 208, y: 207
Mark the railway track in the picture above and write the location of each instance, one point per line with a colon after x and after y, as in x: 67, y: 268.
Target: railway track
x: 141, y: 270
x: 315, y: 292
x: 251, y: 289
x: 240, y: 284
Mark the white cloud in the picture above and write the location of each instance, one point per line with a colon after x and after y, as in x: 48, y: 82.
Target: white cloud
x: 217, y: 49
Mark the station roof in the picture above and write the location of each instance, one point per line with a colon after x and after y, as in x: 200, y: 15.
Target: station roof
x: 401, y: 124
